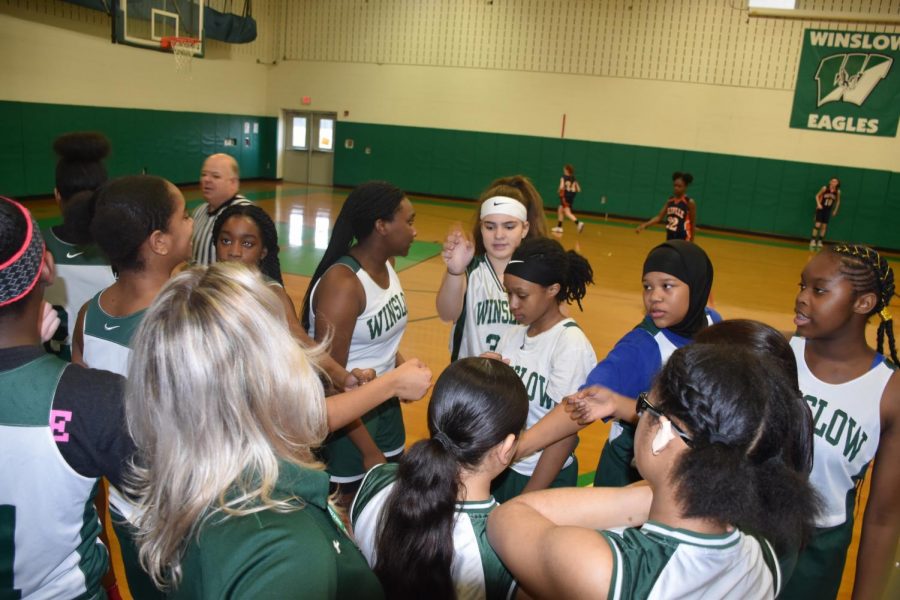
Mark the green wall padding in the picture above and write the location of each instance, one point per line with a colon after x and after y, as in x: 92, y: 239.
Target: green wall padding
x: 165, y: 143
x: 734, y: 192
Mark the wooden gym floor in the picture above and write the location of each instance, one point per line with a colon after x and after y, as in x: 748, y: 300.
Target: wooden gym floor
x: 755, y: 278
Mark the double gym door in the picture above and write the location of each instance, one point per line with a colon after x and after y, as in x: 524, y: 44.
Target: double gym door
x: 308, y: 147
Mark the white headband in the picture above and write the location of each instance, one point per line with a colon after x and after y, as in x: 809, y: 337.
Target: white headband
x: 504, y: 205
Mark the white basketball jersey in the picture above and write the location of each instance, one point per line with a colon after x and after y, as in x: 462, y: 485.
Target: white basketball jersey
x: 81, y: 272
x: 552, y: 365
x: 378, y: 330
x: 476, y: 570
x: 846, y: 428
x: 48, y: 523
x: 485, y: 315
x: 658, y: 562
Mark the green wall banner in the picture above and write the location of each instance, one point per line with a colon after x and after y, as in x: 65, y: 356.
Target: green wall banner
x: 848, y: 82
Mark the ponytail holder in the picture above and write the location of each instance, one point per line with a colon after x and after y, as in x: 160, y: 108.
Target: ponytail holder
x: 885, y: 314
x: 441, y: 438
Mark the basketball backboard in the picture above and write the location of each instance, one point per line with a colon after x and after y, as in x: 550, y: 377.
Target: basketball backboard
x: 145, y: 23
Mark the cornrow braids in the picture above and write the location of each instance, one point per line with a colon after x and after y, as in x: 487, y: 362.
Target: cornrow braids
x: 867, y: 271
x: 270, y: 266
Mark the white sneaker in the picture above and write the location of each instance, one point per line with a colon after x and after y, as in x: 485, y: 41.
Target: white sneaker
x: 557, y: 230
x: 812, y: 244
x: 819, y: 244
x: 580, y: 227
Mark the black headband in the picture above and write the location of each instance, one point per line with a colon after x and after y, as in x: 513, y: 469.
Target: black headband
x: 534, y: 269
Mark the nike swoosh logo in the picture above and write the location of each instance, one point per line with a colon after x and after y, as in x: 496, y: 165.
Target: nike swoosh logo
x: 108, y: 328
x: 499, y: 203
x: 73, y: 255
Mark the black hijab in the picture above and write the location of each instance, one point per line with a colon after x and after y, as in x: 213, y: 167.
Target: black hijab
x: 688, y: 262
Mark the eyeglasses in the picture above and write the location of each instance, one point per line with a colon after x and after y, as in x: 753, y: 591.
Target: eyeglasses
x: 643, y: 404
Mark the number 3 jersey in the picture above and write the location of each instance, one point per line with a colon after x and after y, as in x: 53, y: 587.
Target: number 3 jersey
x: 485, y: 315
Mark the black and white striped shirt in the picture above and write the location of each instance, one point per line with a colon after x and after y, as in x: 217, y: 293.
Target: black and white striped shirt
x: 204, y: 250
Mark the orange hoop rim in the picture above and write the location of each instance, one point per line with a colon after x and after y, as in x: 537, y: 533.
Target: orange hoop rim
x: 169, y: 42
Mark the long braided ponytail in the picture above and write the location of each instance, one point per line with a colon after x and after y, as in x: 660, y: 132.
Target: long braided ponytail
x: 868, y: 271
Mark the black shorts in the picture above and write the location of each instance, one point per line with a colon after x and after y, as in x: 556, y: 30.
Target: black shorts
x: 567, y: 200
x: 823, y: 214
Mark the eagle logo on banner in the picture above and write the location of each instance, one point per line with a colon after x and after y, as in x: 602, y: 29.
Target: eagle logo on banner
x: 850, y: 77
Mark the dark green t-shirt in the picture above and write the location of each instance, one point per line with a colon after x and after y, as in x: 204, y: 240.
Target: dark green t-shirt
x: 301, y: 554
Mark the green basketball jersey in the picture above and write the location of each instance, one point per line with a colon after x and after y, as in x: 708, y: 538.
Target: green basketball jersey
x: 657, y: 561
x: 476, y: 569
x: 107, y: 338
x: 304, y: 553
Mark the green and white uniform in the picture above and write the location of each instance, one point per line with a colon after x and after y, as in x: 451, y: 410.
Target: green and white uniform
x: 656, y: 562
x: 81, y: 272
x: 552, y: 365
x: 49, y: 545
x: 485, y: 315
x: 476, y: 569
x: 846, y: 432
x: 106, y: 346
x: 107, y: 341
x: 373, y: 345
x: 305, y: 553
x: 107, y: 338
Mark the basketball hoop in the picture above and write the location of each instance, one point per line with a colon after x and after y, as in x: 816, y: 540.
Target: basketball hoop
x: 184, y: 49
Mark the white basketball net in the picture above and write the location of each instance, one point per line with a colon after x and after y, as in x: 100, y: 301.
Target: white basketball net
x: 184, y: 54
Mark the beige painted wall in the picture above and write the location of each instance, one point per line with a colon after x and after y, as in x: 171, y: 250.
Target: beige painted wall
x: 711, y: 118
x: 380, y: 61
x: 77, y: 64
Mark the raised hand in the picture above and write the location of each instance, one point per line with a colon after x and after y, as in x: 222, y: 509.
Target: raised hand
x: 458, y: 252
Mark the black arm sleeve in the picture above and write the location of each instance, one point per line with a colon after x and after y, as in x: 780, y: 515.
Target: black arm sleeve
x: 89, y: 423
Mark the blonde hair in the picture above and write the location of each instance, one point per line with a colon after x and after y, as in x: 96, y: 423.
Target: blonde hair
x: 218, y: 393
